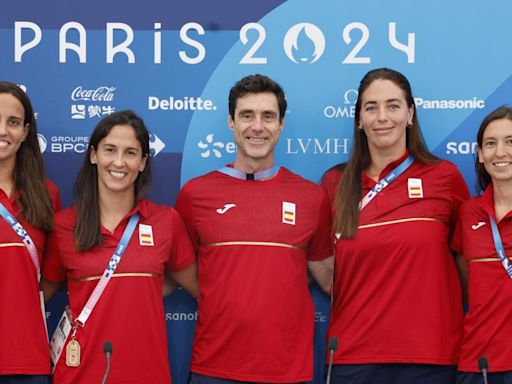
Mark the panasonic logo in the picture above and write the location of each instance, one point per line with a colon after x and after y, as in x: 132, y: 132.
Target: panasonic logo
x: 473, y: 103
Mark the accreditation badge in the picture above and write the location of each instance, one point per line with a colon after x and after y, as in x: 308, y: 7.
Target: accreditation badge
x: 59, y: 338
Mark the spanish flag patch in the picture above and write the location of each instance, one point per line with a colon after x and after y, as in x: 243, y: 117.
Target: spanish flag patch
x: 415, y: 188
x: 146, y: 235
x: 288, y: 213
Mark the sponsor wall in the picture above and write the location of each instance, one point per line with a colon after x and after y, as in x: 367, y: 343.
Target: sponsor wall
x: 174, y: 62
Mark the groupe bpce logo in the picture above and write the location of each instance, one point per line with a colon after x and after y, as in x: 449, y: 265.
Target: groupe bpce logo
x: 42, y: 142
x: 64, y: 144
x: 304, y: 43
x: 156, y: 145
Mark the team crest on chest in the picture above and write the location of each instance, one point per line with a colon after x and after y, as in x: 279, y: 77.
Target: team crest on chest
x: 288, y: 213
x: 415, y: 188
x: 146, y: 235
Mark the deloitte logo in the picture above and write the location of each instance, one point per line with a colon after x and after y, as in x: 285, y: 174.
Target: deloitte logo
x: 304, y: 43
x: 186, y: 104
x: 155, y: 145
x: 210, y: 147
x: 42, y: 142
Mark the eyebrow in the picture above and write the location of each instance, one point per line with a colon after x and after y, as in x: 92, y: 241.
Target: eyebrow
x: 115, y: 146
x: 247, y: 110
x: 494, y: 138
x: 386, y: 101
x: 268, y: 111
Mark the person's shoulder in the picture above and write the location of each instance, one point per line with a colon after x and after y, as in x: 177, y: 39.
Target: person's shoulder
x: 53, y: 190
x: 331, y: 179
x: 65, y: 218
x: 443, y: 166
x: 152, y: 210
x: 470, y: 208
x: 444, y: 171
x: 299, y: 183
x: 333, y: 174
x: 292, y: 177
x: 473, y: 203
x: 201, y: 181
x: 448, y: 165
x: 52, y: 187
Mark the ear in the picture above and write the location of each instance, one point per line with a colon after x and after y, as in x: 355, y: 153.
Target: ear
x: 281, y: 124
x: 480, y: 156
x: 231, y: 123
x: 410, y: 118
x: 26, y: 129
x: 143, y: 163
x: 92, y: 157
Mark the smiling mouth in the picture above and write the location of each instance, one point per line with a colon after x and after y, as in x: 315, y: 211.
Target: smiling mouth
x: 256, y: 140
x: 502, y: 164
x: 3, y: 143
x: 117, y: 174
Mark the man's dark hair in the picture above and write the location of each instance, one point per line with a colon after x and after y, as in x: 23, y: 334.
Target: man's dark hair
x: 256, y: 84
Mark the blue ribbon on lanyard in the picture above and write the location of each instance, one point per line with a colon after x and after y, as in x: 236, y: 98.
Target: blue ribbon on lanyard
x: 499, y: 247
x: 384, y: 182
x: 250, y: 176
x: 24, y: 236
x: 109, y: 270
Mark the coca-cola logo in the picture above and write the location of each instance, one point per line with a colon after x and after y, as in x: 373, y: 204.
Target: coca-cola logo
x: 98, y: 94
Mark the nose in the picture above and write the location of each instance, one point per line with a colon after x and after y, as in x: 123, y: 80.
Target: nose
x: 257, y: 124
x: 119, y: 160
x: 500, y: 148
x: 3, y: 127
x: 382, y: 114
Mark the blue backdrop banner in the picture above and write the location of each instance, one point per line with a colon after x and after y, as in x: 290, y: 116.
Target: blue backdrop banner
x: 173, y: 63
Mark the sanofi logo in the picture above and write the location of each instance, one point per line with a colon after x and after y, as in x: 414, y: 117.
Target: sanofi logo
x: 304, y: 43
x: 181, y: 316
x: 461, y: 148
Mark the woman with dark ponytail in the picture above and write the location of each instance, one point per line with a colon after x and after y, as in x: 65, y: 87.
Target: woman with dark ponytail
x: 397, y: 300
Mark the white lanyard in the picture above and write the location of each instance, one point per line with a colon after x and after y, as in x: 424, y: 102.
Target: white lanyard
x: 109, y: 271
x: 499, y: 247
x: 383, y: 183
x: 24, y: 236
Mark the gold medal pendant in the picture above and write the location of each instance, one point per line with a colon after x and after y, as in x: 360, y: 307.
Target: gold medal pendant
x: 73, y: 354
